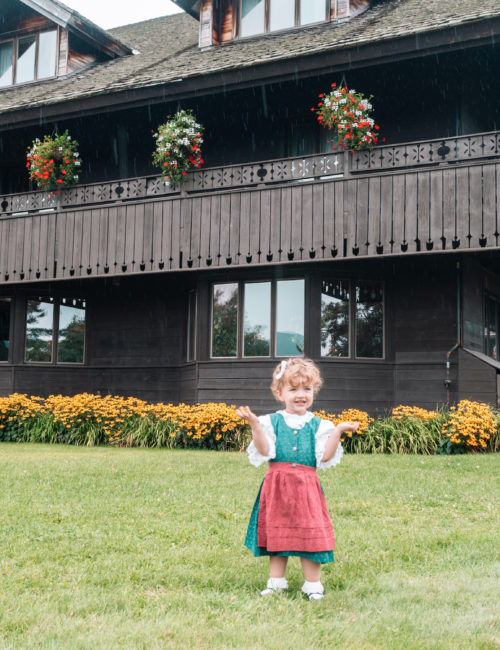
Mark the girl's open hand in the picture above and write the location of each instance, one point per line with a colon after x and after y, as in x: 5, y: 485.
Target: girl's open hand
x: 349, y: 426
x: 246, y: 414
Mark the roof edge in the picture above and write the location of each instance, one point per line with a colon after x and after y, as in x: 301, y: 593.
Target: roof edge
x: 75, y: 22
x: 191, y: 7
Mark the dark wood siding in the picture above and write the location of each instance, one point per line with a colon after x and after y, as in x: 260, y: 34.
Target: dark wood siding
x: 136, y: 340
x: 366, y: 216
x: 477, y: 380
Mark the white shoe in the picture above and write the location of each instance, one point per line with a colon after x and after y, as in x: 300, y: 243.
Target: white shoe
x: 315, y: 596
x: 313, y: 590
x: 275, y: 586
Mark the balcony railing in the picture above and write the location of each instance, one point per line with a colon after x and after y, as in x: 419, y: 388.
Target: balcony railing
x: 447, y: 151
x: 301, y: 209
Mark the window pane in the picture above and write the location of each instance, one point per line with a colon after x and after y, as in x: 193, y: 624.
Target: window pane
x: 282, y: 14
x: 25, y: 70
x: 6, y: 64
x: 335, y: 318
x: 39, y: 330
x: 490, y: 330
x: 47, y: 54
x: 4, y: 328
x: 252, y: 17
x: 257, y: 319
x: 191, y: 333
x: 71, y: 337
x: 225, y: 320
x: 369, y: 320
x: 312, y: 11
x: 289, y: 318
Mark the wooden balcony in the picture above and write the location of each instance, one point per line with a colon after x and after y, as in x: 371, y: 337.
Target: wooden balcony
x: 439, y: 195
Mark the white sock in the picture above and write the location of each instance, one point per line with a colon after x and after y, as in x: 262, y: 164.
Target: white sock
x: 277, y: 583
x: 312, y: 587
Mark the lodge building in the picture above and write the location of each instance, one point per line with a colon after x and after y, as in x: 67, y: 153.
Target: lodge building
x: 382, y: 265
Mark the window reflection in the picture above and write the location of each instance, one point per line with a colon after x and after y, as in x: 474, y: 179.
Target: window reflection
x: 225, y: 320
x: 47, y: 55
x: 191, y: 326
x: 289, y: 318
x: 39, y: 330
x: 490, y: 329
x: 312, y: 11
x: 334, y: 318
x: 252, y: 17
x: 257, y: 322
x: 4, y: 328
x: 281, y: 14
x: 6, y: 64
x: 71, y: 336
x: 25, y: 69
x: 369, y: 320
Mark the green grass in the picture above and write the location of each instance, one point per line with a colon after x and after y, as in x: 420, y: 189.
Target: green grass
x: 140, y: 548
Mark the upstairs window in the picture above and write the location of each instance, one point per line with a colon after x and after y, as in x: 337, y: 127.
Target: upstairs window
x: 259, y: 16
x: 28, y: 58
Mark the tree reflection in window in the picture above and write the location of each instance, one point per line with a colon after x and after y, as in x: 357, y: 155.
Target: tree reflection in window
x: 256, y: 338
x: 71, y: 335
x: 4, y: 328
x: 369, y: 320
x: 335, y: 318
x: 225, y: 320
x: 39, y: 330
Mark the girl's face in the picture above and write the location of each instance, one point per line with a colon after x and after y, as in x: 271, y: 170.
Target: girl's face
x: 297, y: 399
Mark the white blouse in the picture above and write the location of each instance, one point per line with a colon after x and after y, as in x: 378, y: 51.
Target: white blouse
x: 295, y: 422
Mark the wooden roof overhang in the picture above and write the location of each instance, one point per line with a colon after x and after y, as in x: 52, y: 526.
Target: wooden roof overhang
x: 191, y: 7
x: 81, y: 26
x: 417, y: 45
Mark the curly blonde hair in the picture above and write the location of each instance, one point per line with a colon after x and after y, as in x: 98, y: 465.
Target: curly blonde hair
x: 296, y: 371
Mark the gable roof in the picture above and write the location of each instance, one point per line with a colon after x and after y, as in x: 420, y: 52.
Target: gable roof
x: 75, y: 22
x: 170, y: 65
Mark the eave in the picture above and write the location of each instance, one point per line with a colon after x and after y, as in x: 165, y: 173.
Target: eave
x: 191, y: 7
x: 78, y: 24
x: 417, y: 45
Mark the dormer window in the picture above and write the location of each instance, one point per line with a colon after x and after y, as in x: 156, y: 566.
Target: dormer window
x: 259, y: 16
x: 28, y: 58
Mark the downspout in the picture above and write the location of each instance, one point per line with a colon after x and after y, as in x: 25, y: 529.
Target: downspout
x: 447, y: 381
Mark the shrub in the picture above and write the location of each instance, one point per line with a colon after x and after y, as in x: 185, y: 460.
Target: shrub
x: 471, y: 426
x: 88, y: 419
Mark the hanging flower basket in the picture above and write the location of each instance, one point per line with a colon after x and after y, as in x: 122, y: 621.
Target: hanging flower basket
x: 53, y: 163
x: 348, y: 114
x: 178, y: 147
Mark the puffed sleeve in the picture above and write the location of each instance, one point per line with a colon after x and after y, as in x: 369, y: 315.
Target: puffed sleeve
x: 324, y: 431
x: 254, y: 456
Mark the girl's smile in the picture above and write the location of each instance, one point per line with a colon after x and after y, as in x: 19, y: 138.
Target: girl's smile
x: 297, y: 399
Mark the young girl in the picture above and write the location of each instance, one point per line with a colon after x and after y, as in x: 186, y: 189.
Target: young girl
x: 290, y: 516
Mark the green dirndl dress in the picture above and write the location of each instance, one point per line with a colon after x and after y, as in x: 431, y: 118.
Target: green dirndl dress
x: 292, y: 446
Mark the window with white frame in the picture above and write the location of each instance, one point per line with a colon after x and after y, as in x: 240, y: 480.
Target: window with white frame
x: 257, y: 319
x: 28, y: 58
x: 55, y: 330
x: 260, y: 16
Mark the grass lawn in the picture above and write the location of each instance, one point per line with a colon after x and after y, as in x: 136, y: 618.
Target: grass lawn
x: 134, y: 548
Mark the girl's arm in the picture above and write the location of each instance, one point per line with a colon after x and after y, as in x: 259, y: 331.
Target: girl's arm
x: 333, y: 441
x: 259, y: 438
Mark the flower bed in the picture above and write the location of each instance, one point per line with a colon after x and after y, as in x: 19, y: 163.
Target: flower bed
x: 88, y: 419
